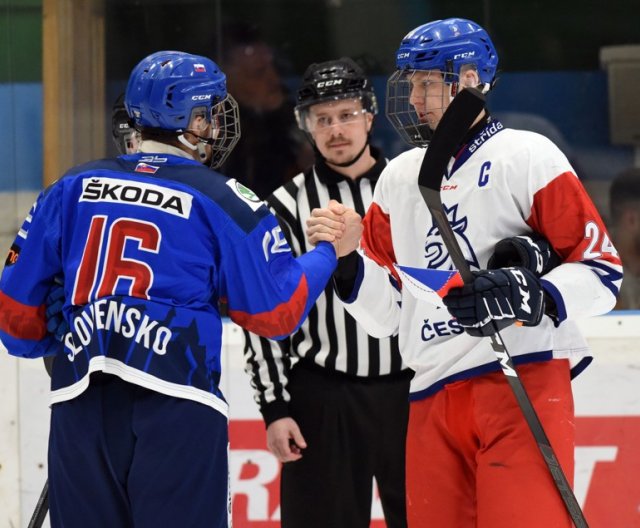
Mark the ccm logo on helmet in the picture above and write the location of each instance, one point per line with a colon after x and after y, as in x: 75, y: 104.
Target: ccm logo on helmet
x: 325, y: 84
x: 201, y: 97
x: 403, y: 55
x: 465, y: 55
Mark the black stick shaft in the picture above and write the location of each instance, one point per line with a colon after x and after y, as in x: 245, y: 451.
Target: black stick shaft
x: 42, y: 507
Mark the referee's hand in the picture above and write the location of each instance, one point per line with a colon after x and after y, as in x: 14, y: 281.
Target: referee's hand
x: 285, y: 440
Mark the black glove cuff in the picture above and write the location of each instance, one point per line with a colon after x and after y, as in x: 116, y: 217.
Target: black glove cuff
x: 344, y: 276
x: 550, y: 307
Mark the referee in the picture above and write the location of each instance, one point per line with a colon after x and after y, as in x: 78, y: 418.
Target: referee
x: 334, y: 399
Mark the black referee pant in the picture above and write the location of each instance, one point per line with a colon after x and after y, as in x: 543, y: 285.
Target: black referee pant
x: 355, y: 430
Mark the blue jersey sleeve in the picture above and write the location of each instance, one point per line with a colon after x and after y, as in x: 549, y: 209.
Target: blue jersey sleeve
x: 28, y: 275
x: 269, y: 292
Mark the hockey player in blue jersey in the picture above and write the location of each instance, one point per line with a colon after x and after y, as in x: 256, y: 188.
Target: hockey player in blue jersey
x: 145, y: 245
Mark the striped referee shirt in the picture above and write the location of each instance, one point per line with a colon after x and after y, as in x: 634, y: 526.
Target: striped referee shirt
x: 330, y: 337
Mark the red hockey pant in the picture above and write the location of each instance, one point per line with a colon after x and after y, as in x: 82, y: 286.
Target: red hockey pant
x: 472, y: 461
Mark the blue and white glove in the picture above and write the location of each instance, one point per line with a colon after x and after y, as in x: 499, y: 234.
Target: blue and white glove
x: 497, y: 299
x: 56, y: 323
x: 531, y: 251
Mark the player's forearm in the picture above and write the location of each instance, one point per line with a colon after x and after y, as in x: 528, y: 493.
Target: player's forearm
x: 580, y: 290
x: 374, y: 301
x: 292, y: 288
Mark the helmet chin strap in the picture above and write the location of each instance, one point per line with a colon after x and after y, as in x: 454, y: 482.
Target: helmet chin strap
x: 202, y: 153
x: 199, y: 146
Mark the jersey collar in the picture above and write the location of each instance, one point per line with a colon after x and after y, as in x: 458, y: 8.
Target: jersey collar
x: 149, y: 146
x: 477, y: 136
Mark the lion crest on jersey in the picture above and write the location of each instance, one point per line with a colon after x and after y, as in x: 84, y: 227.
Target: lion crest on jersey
x: 436, y: 253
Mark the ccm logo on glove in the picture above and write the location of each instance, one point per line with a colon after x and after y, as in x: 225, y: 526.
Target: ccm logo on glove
x: 524, y: 293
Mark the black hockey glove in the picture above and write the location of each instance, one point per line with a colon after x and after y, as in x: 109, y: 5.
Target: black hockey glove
x: 56, y: 323
x: 531, y: 251
x: 496, y: 299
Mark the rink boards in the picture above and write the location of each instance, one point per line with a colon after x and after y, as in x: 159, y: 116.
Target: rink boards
x: 607, y: 398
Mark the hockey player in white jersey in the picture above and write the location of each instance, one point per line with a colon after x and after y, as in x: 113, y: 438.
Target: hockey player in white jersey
x: 472, y: 462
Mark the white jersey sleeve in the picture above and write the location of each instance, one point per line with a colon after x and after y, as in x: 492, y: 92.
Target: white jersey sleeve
x: 375, y: 300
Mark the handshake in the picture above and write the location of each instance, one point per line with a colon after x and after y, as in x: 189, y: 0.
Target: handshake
x: 337, y: 224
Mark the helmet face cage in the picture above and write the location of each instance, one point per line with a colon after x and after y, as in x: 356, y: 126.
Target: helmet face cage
x: 131, y: 141
x: 225, y: 130
x: 125, y: 137
x: 404, y: 89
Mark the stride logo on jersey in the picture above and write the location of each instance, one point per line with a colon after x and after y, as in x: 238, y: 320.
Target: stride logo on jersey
x: 489, y: 131
x: 143, y: 194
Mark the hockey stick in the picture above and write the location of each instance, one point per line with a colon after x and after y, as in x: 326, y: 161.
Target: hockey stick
x: 42, y: 507
x: 455, y: 123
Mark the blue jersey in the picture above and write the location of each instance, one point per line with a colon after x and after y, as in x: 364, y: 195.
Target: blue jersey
x: 146, y: 245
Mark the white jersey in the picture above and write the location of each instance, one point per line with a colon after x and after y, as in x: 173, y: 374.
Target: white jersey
x: 501, y: 184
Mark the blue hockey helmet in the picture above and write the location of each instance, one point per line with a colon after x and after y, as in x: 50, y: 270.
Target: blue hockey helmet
x: 166, y: 86
x: 446, y: 45
x: 167, y: 89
